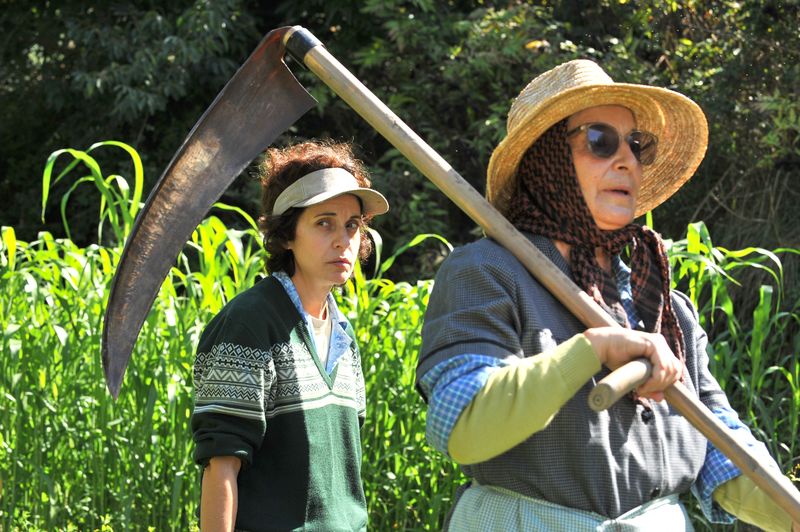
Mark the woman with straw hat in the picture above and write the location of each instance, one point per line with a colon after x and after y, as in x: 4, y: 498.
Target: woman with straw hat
x: 506, y: 369
x: 279, y: 393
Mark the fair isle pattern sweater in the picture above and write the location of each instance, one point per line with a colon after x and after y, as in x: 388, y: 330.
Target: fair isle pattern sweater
x: 261, y: 394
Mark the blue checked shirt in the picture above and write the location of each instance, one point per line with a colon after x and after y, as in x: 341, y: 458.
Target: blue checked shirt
x: 451, y: 385
x: 623, y: 275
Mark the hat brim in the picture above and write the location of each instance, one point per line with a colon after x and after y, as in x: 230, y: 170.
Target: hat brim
x: 677, y: 121
x: 373, y: 202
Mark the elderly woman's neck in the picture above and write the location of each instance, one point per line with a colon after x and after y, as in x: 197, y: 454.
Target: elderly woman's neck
x: 603, y: 259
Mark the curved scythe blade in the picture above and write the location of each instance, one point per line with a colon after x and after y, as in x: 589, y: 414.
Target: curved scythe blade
x: 259, y: 103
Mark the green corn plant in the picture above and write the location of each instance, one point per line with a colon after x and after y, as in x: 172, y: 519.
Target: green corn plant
x: 753, y: 354
x: 118, y: 204
x: 409, y: 485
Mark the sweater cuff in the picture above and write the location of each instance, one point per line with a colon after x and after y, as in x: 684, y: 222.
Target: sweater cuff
x: 742, y: 498
x: 577, y: 362
x: 210, y: 446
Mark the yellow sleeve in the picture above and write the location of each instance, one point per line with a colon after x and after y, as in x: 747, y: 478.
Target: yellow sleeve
x: 742, y: 498
x: 521, y: 399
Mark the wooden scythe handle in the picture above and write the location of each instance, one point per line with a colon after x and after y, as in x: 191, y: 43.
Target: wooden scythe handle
x: 306, y: 48
x: 618, y: 383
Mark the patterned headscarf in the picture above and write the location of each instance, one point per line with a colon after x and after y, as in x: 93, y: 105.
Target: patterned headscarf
x: 549, y: 202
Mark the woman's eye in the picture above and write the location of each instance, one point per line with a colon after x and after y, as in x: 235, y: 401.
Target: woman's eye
x: 354, y: 225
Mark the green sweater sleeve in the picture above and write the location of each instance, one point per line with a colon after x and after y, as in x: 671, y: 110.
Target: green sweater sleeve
x: 521, y: 399
x: 742, y: 498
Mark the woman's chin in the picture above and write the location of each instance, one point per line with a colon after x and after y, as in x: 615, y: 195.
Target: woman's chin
x: 342, y: 278
x: 611, y: 221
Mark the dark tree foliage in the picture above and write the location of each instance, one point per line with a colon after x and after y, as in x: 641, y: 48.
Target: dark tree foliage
x: 451, y: 69
x: 143, y: 72
x: 74, y: 72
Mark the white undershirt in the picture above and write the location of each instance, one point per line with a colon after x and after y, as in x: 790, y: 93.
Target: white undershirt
x: 322, y: 335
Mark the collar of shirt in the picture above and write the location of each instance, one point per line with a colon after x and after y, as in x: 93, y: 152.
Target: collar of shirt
x: 340, y: 341
x: 623, y: 276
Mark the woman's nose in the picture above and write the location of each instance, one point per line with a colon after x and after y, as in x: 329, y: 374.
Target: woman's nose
x: 342, y: 239
x: 625, y: 156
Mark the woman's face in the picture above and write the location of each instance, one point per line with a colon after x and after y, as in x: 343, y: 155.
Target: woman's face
x: 610, y: 186
x: 326, y: 242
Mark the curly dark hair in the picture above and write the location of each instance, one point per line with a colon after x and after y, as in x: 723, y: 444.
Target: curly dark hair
x: 282, y: 167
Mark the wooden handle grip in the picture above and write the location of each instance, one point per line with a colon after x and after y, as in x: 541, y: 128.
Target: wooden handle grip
x: 618, y: 383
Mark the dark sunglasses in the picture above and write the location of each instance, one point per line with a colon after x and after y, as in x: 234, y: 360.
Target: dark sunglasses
x: 603, y: 141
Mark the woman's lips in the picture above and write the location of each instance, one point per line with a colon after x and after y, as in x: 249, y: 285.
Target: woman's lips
x: 342, y: 263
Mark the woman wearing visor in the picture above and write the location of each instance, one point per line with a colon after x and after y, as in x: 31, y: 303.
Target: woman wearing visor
x: 279, y: 393
x: 506, y: 369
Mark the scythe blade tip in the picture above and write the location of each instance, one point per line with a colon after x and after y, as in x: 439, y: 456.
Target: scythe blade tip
x: 113, y: 371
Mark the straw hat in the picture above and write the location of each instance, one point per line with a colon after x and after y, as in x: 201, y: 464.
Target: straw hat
x: 677, y: 121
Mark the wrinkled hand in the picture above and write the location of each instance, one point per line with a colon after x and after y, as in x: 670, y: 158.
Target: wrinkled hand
x: 615, y: 347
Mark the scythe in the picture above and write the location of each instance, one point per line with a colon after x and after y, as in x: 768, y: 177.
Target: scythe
x: 259, y: 103
x: 262, y: 100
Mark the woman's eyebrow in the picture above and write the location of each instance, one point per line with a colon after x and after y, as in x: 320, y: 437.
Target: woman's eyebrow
x: 359, y: 215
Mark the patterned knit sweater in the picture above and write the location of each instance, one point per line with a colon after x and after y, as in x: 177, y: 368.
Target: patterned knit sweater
x: 261, y: 394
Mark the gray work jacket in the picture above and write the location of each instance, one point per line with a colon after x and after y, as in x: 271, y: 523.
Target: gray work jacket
x: 485, y: 302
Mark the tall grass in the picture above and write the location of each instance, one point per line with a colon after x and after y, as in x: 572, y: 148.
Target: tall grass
x: 72, y: 458
x: 755, y: 350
